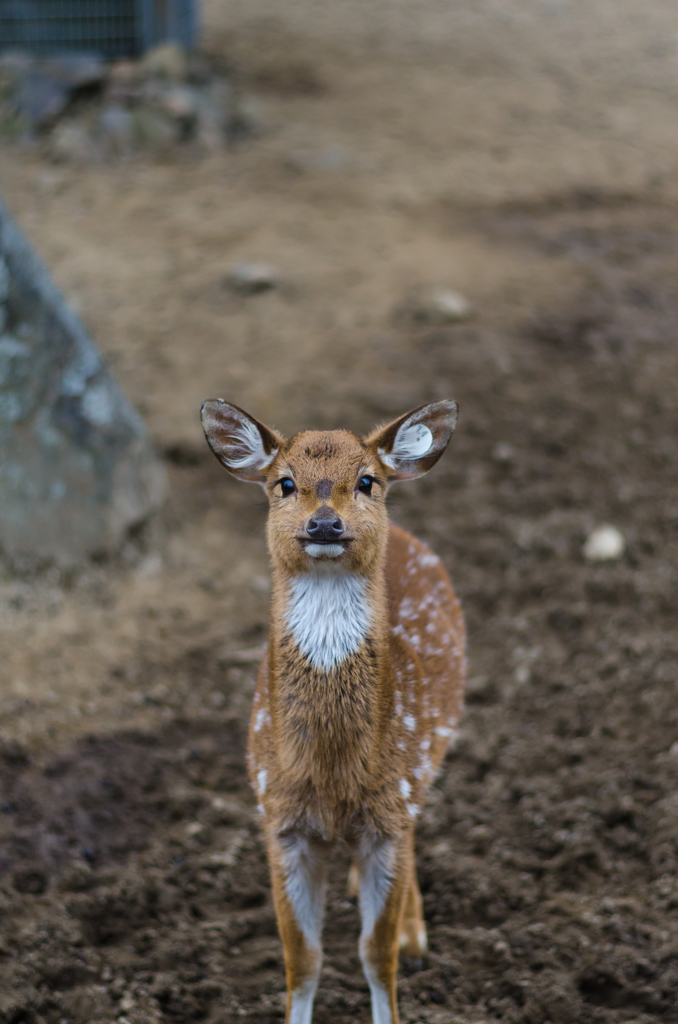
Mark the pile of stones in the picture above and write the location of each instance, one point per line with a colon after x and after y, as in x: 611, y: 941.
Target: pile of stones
x: 81, y: 108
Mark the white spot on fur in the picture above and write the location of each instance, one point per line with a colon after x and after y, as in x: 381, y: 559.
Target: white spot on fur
x: 412, y: 810
x: 405, y: 788
x: 262, y: 776
x: 410, y: 722
x: 422, y: 940
x: 329, y: 616
x: 442, y: 730
x: 260, y: 719
x: 423, y: 769
x: 406, y: 610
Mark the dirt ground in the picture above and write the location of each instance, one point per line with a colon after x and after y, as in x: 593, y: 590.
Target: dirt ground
x: 524, y: 154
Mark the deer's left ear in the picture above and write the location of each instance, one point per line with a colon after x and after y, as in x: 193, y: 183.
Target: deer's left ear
x: 411, y: 445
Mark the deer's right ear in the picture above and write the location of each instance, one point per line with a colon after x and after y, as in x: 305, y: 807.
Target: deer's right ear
x: 242, y: 444
x: 411, y: 445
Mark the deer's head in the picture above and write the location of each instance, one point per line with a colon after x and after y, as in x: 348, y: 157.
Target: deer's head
x: 327, y: 489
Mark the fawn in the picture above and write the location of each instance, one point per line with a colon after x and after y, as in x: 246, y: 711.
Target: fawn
x: 361, y: 688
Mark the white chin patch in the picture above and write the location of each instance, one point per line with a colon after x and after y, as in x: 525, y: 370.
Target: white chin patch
x: 324, y: 550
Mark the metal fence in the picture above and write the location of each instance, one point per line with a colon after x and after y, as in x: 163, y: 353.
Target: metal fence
x: 112, y: 28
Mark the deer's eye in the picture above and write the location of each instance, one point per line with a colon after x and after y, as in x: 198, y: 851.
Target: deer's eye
x: 365, y: 484
x: 286, y: 487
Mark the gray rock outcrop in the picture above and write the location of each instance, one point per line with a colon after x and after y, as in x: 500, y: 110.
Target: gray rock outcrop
x: 77, y: 467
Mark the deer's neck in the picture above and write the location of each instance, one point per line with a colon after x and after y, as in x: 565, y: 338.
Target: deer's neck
x: 329, y: 671
x: 327, y: 616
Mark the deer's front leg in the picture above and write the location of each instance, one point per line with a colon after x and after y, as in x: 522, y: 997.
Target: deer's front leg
x: 299, y: 874
x: 384, y: 872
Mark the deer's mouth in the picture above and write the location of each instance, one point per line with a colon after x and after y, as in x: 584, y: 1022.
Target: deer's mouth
x: 324, y: 548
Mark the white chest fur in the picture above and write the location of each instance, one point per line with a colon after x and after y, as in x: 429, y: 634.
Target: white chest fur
x: 329, y: 616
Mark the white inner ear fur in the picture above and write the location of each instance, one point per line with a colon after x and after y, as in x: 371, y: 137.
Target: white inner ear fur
x: 413, y: 441
x: 246, y: 449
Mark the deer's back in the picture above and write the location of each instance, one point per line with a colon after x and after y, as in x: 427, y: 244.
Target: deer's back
x: 429, y: 641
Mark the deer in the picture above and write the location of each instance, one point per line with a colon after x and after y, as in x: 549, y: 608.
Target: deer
x: 360, y: 691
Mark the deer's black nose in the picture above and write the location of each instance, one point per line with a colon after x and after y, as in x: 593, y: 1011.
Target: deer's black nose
x: 325, y: 525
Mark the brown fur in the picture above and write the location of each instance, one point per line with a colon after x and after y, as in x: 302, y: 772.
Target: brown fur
x: 349, y: 752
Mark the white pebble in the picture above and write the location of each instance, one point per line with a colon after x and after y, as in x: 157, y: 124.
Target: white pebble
x: 604, y: 544
x: 503, y: 452
x: 445, y: 306
x: 250, y: 278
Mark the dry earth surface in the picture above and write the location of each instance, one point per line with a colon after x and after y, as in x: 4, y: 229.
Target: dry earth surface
x: 525, y: 154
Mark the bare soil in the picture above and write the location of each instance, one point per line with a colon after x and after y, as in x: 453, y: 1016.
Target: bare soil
x: 539, y: 181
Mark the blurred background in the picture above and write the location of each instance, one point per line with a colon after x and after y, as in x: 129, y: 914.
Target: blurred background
x: 328, y: 214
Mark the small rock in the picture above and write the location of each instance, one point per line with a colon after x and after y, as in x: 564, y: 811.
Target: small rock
x: 180, y: 101
x: 50, y: 181
x: 125, y: 72
x: 127, y: 1002
x: 213, y: 113
x: 604, y: 544
x: 116, y: 128
x: 251, y: 278
x: 72, y: 143
x: 150, y: 566
x: 226, y: 811
x: 167, y: 60
x: 153, y: 130
x: 444, y: 306
x: 327, y: 161
x: 503, y: 452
